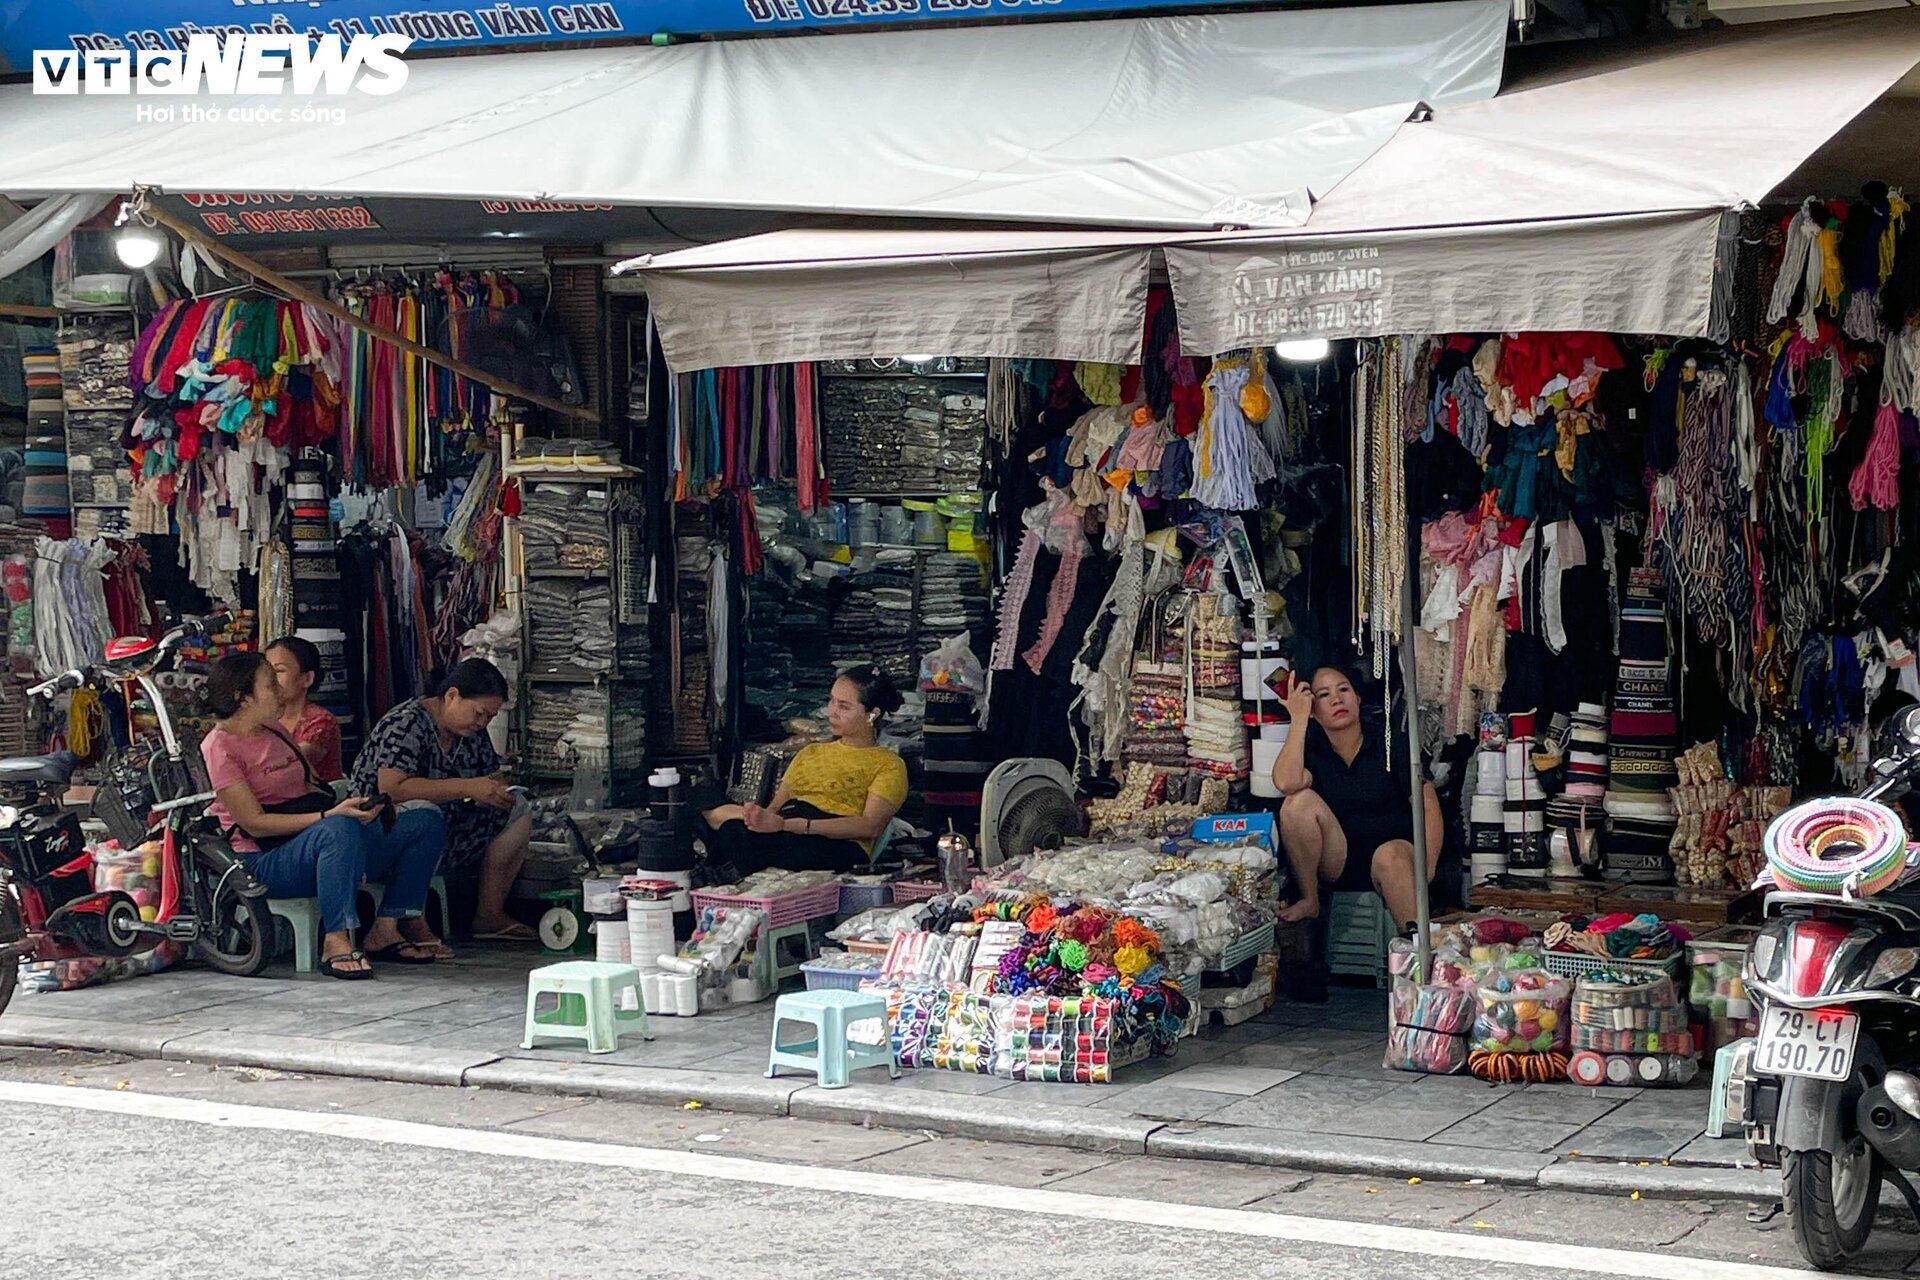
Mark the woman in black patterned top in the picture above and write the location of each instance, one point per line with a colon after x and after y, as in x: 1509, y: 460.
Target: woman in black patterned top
x: 435, y: 749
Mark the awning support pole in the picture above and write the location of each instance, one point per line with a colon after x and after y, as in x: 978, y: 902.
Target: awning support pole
x: 1410, y: 680
x: 299, y: 292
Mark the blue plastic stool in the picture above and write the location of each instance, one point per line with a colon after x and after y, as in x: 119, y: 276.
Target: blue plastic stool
x: 830, y: 1055
x: 588, y: 1009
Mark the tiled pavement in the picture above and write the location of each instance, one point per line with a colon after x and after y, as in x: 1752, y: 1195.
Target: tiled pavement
x: 1305, y: 1071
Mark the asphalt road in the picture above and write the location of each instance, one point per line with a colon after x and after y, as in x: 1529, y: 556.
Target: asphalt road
x: 141, y: 1168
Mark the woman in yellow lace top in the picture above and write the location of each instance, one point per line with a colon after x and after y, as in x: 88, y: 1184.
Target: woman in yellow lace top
x: 835, y: 798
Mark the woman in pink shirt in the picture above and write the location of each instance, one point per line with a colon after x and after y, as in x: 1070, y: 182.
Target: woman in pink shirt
x: 315, y: 730
x: 285, y: 826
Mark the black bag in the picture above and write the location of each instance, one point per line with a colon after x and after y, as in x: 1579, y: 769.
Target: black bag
x: 318, y: 798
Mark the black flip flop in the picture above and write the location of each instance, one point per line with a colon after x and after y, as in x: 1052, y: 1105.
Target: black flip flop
x: 392, y: 954
x: 328, y: 966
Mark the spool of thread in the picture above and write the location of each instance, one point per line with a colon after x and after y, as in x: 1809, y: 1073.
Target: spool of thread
x: 649, y: 932
x: 612, y: 938
x: 686, y: 994
x: 678, y: 966
x: 1260, y: 778
x: 651, y: 993
x: 1620, y: 1071
x: 1493, y: 773
x: 1560, y: 856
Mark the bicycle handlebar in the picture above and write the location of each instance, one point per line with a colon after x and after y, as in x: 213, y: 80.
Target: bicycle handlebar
x: 188, y: 626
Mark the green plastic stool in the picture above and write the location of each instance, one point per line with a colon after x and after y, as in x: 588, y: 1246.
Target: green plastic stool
x: 588, y: 1008
x: 784, y: 965
x: 830, y: 1055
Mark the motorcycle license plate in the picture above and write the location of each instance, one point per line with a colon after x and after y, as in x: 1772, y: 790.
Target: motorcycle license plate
x: 1806, y: 1042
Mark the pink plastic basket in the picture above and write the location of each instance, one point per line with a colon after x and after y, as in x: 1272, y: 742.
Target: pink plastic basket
x: 785, y: 908
x: 917, y: 890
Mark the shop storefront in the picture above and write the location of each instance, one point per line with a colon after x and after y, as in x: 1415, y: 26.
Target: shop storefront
x: 1546, y: 448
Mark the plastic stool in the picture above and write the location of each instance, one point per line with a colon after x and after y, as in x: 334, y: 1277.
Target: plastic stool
x: 830, y: 1055
x: 588, y: 1009
x: 303, y: 918
x: 377, y: 890
x: 779, y: 966
x: 1358, y: 932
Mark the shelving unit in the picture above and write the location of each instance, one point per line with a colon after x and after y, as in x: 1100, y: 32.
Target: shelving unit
x: 554, y: 689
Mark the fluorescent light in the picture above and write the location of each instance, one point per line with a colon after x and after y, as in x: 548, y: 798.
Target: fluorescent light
x: 1303, y: 350
x: 138, y: 246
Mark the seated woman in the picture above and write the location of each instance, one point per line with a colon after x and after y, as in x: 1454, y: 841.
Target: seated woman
x: 297, y: 841
x: 834, y: 799
x: 314, y: 729
x: 1345, y: 822
x: 436, y: 749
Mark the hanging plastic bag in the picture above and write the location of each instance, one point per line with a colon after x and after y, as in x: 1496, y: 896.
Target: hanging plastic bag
x: 952, y: 666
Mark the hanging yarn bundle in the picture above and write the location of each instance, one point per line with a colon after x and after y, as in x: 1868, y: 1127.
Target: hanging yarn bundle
x: 1835, y: 845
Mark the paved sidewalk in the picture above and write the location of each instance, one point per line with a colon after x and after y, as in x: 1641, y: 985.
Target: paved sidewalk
x: 1299, y: 1086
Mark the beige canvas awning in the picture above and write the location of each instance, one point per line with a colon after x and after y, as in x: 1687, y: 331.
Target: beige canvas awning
x: 1591, y: 193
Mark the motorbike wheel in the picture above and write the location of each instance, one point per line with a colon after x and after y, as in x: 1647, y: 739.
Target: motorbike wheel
x: 236, y: 932
x: 10, y: 929
x: 1831, y: 1201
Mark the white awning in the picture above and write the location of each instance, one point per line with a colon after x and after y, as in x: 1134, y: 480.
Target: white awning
x: 1590, y: 194
x: 1187, y: 122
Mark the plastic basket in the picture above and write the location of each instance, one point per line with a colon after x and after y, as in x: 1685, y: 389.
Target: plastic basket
x: 855, y: 898
x: 1255, y: 941
x: 822, y: 976
x: 917, y: 890
x: 1578, y: 964
x: 785, y: 908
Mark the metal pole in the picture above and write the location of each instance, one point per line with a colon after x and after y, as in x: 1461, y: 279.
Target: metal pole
x: 1409, y: 678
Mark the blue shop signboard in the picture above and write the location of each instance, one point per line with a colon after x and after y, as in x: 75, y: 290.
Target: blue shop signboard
x: 27, y: 25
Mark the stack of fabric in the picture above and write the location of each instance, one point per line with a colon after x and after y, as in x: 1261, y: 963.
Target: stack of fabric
x: 953, y: 597
x: 873, y: 620
x: 1215, y: 732
x: 571, y: 624
x: 45, y: 401
x: 689, y: 716
x: 1487, y: 805
x: 1526, y: 800
x: 1645, y: 738
x: 46, y: 495
x: 314, y: 611
x: 564, y: 526
x: 903, y: 434
x: 1580, y: 808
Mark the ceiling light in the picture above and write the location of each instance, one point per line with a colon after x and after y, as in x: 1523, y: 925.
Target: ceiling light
x: 1303, y: 350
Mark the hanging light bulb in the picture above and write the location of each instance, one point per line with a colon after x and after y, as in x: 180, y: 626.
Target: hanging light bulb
x: 1303, y: 350
x: 138, y: 246
x: 136, y: 241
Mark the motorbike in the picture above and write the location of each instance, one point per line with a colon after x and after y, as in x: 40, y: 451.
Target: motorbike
x: 49, y: 909
x: 1828, y: 1091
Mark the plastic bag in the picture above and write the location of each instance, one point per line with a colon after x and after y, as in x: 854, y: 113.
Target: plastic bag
x: 1428, y: 1025
x: 1523, y: 1011
x: 953, y: 666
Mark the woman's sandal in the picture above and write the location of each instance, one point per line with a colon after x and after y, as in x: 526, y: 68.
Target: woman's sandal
x: 330, y: 965
x: 396, y: 953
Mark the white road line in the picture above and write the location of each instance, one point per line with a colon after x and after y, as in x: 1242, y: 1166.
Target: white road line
x: 1476, y: 1247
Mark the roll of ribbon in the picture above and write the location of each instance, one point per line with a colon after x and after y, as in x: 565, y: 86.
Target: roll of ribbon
x: 1587, y: 1068
x: 1824, y: 846
x: 1486, y: 809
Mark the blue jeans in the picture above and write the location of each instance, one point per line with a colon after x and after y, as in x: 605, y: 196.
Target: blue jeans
x: 330, y: 858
